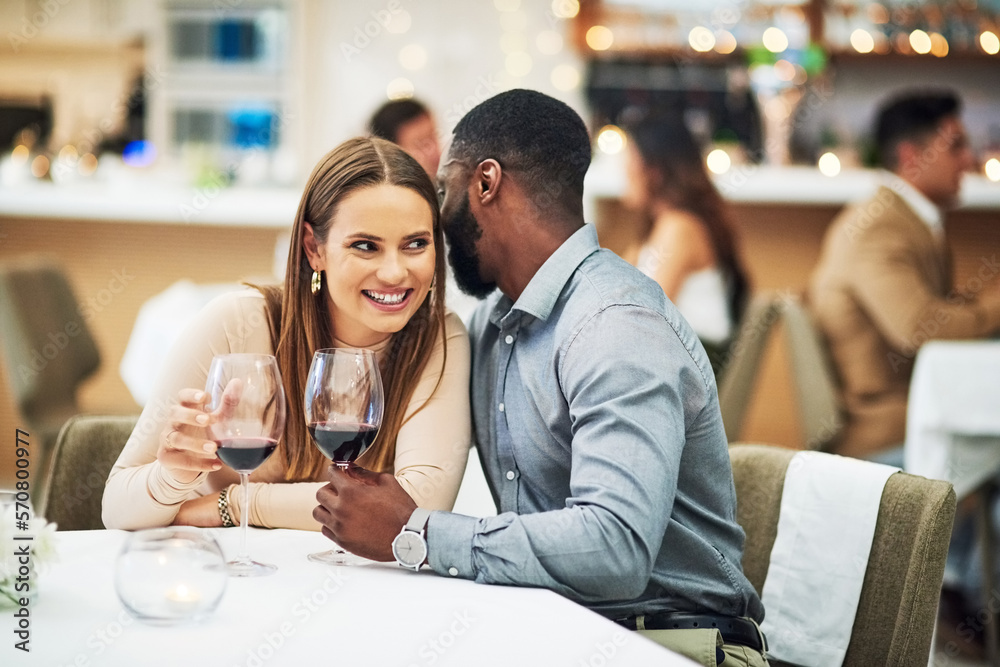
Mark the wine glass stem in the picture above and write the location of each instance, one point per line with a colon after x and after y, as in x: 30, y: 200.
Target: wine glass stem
x: 244, y: 557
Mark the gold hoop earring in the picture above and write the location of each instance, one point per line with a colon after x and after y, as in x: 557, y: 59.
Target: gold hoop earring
x: 317, y: 283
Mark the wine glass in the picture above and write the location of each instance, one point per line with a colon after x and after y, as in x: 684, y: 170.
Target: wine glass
x: 343, y: 408
x: 248, y: 406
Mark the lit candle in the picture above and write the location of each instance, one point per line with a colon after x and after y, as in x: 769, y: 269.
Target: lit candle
x: 182, y: 599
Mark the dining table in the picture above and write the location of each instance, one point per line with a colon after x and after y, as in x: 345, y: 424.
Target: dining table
x: 308, y: 613
x: 953, y: 434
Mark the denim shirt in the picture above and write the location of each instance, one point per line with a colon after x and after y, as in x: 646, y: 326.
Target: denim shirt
x: 598, y: 427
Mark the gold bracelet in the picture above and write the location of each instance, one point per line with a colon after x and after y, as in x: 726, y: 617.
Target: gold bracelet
x: 227, y: 520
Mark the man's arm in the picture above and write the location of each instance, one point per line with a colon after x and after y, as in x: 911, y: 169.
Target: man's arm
x: 622, y: 379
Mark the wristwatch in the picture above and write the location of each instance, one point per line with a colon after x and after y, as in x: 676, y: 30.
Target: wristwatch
x: 410, y: 546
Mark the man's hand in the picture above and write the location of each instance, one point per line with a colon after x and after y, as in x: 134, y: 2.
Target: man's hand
x: 363, y: 511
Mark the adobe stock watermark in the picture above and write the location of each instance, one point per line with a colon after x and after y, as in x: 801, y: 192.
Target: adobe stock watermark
x: 437, y: 646
x: 362, y: 35
x: 57, y: 341
x: 302, y: 611
x: 31, y: 26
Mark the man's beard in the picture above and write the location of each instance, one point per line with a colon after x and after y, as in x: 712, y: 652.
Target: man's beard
x: 462, y: 232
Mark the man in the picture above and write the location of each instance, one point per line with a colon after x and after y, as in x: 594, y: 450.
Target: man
x: 408, y: 124
x: 595, y: 409
x: 883, y: 285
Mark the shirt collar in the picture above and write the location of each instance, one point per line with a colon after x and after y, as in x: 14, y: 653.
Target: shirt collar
x: 923, y: 207
x: 542, y: 292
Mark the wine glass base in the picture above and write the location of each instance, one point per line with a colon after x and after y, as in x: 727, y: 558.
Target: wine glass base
x: 337, y: 557
x: 236, y: 568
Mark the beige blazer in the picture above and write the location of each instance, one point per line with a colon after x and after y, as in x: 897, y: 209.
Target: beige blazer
x: 882, y: 288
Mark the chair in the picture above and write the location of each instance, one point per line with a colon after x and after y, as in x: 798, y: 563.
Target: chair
x: 48, y: 346
x: 85, y: 451
x: 902, y: 581
x: 814, y: 382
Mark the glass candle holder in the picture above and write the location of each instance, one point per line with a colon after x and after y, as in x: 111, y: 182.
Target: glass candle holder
x: 167, y: 576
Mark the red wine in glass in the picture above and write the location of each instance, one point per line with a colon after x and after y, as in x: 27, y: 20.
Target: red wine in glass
x: 245, y: 454
x: 247, y: 404
x: 343, y: 409
x: 343, y: 442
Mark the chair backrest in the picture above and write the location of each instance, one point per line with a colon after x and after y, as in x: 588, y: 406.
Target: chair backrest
x: 85, y: 451
x: 902, y: 582
x: 46, y: 339
x: 814, y: 382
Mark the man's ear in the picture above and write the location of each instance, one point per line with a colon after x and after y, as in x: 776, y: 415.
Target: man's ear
x: 311, y: 247
x: 489, y: 176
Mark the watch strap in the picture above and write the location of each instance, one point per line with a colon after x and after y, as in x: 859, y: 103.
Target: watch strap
x: 418, y: 520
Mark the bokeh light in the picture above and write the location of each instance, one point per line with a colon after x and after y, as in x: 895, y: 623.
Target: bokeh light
x: 565, y: 9
x: 611, y: 139
x: 920, y: 41
x: 413, y: 56
x: 725, y: 42
x: 701, y: 39
x: 774, y: 40
x: 718, y: 161
x: 399, y: 89
x: 20, y: 154
x: 518, y: 63
x: 600, y: 38
x: 990, y: 42
x: 862, y: 41
x: 829, y: 164
x: 992, y: 169
x: 39, y: 166
x: 549, y: 42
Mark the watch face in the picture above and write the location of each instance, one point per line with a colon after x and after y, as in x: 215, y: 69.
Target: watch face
x: 409, y: 549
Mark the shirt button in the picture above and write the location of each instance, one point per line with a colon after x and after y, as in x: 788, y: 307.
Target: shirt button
x: 453, y: 571
x: 501, y: 407
x: 510, y: 474
x: 509, y: 339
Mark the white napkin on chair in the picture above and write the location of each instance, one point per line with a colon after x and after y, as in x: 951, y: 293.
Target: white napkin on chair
x: 828, y: 512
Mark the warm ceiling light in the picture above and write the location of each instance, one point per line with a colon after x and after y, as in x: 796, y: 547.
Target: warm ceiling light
x: 862, y: 41
x: 600, y: 38
x: 725, y: 43
x: 829, y: 164
x: 718, y: 161
x: 939, y: 45
x: 990, y: 42
x: 565, y: 9
x: 920, y: 41
x: 775, y: 40
x: 399, y: 89
x: 992, y: 169
x: 611, y: 139
x: 701, y: 39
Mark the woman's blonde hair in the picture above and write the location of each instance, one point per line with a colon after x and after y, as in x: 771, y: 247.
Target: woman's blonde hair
x: 300, y: 321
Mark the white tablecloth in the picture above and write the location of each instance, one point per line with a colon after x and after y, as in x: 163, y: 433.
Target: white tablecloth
x: 953, y: 417
x: 311, y: 614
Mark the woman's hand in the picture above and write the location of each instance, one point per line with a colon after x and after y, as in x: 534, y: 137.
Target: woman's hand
x: 185, y: 449
x: 202, y: 511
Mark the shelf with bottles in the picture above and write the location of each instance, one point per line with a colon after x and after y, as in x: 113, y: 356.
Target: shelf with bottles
x: 891, y: 29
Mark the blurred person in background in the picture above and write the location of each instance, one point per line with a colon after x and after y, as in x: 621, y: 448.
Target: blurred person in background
x: 689, y: 246
x: 409, y: 124
x: 883, y: 285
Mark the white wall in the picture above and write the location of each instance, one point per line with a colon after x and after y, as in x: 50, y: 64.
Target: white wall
x: 350, y: 59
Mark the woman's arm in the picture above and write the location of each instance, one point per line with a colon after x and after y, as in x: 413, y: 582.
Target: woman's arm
x: 431, y: 449
x: 143, y: 491
x: 433, y: 443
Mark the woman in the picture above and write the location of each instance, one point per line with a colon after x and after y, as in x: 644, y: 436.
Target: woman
x: 688, y: 247
x: 365, y: 269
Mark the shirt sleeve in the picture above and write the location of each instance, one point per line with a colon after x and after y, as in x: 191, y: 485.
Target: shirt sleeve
x: 628, y: 432
x: 140, y: 493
